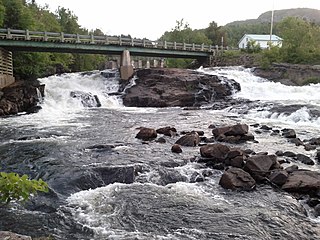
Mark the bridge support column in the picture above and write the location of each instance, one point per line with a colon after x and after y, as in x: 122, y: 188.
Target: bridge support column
x: 6, y: 68
x: 155, y: 63
x: 148, y: 64
x: 126, y: 68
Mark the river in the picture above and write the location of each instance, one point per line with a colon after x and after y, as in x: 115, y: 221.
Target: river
x: 107, y: 184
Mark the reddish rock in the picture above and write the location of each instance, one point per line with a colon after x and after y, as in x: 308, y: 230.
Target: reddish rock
x: 303, y: 181
x: 146, y: 134
x: 167, y: 131
x: 215, y: 151
x: 279, y: 177
x: 189, y: 140
x: 237, y: 179
x: 176, y: 148
x: 259, y: 166
x: 169, y: 87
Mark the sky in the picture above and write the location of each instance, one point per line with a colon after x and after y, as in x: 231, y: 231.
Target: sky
x: 150, y: 19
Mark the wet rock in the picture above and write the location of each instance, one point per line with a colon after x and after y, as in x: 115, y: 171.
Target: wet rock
x: 314, y: 141
x: 279, y: 153
x: 259, y: 166
x: 196, y: 177
x: 5, y: 235
x: 317, y: 210
x: 291, y: 169
x: 318, y: 156
x: 215, y: 151
x: 233, y: 134
x: 309, y: 147
x: 312, y: 202
x: 303, y: 181
x: 20, y: 96
x: 237, y: 179
x: 87, y: 99
x: 237, y: 161
x: 28, y: 138
x: 169, y: 87
x: 288, y: 133
x: 189, y: 140
x: 176, y: 148
x: 278, y: 177
x: 161, y: 140
x: 147, y: 134
x: 167, y: 131
x: 101, y: 147
x: 265, y: 127
x: 304, y: 159
x: 296, y: 141
x: 289, y: 154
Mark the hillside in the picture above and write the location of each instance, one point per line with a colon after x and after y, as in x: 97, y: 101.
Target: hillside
x: 312, y: 15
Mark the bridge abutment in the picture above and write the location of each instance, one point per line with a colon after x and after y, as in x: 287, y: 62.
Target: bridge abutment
x: 6, y: 68
x: 126, y: 68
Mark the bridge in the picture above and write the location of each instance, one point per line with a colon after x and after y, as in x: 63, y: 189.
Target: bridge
x: 12, y: 40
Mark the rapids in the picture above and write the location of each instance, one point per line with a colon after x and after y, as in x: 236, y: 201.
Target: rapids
x: 130, y: 190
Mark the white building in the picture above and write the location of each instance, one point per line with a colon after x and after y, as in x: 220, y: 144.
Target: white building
x: 260, y: 39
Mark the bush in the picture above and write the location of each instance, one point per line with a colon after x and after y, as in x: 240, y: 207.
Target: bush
x: 14, y: 187
x: 312, y: 80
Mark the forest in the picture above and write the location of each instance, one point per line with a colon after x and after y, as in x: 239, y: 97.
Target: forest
x: 301, y: 39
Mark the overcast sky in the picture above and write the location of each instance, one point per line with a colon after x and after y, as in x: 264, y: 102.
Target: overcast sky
x: 150, y: 19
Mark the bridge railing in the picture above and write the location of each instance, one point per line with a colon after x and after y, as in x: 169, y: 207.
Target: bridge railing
x: 26, y: 35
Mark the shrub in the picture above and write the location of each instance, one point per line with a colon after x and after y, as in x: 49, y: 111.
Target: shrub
x: 15, y: 187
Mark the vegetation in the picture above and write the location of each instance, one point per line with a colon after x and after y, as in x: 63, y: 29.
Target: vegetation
x: 23, y: 14
x: 19, y: 188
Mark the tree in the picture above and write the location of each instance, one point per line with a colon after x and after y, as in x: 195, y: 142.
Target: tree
x: 215, y: 34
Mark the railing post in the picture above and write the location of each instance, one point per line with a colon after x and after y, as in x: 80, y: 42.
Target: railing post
x: 61, y: 37
x: 175, y: 46
x: 132, y: 42
x: 210, y: 48
x: 144, y: 42
x: 120, y: 41
x: 184, y: 46
x: 27, y: 35
x: 107, y: 40
x: 9, y: 35
x: 91, y: 38
x: 193, y: 47
x: 165, y: 44
x: 45, y: 38
x: 202, y: 47
x: 78, y: 38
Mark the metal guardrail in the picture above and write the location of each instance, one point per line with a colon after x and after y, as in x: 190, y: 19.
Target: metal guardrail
x: 26, y: 35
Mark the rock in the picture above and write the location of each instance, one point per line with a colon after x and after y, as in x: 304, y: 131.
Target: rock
x: 318, y: 156
x: 147, y: 134
x: 309, y: 147
x: 87, y: 99
x: 288, y: 133
x: 317, y: 210
x: 292, y: 168
x: 5, y: 235
x: 216, y: 151
x: 303, y: 181
x: 167, y: 131
x: 189, y: 140
x: 237, y: 161
x: 233, y: 134
x: 259, y: 166
x: 196, y: 177
x: 237, y: 179
x: 21, y: 96
x: 161, y: 140
x: 289, y: 154
x: 296, y: 141
x: 278, y: 177
x: 176, y: 148
x: 304, y: 159
x: 169, y: 87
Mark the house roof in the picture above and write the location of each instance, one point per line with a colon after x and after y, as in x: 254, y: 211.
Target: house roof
x: 261, y: 37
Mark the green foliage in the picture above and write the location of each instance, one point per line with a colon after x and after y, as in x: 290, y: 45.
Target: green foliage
x: 269, y: 56
x: 301, y: 41
x: 253, y: 47
x: 312, y: 80
x: 15, y: 187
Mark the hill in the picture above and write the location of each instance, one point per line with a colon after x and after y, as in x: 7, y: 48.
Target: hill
x: 312, y: 15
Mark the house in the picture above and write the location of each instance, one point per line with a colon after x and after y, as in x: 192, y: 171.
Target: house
x: 262, y: 40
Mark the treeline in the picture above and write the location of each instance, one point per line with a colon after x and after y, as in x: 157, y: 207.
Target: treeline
x: 23, y: 14
x: 301, y: 40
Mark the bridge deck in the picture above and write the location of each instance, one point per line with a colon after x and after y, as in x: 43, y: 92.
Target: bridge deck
x: 24, y: 40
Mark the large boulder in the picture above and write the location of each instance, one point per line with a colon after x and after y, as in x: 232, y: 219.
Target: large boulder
x: 237, y: 179
x: 259, y: 166
x: 168, y: 87
x: 87, y: 99
x: 147, y: 134
x: 217, y: 151
x: 189, y: 140
x: 303, y: 181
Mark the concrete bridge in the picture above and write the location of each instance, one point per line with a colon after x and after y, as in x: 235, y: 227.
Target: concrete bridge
x: 12, y: 40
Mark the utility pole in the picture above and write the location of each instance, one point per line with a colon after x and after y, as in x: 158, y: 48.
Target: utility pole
x: 271, y: 25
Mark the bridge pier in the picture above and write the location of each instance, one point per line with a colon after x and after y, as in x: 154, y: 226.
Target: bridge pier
x: 6, y: 68
x: 126, y: 68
